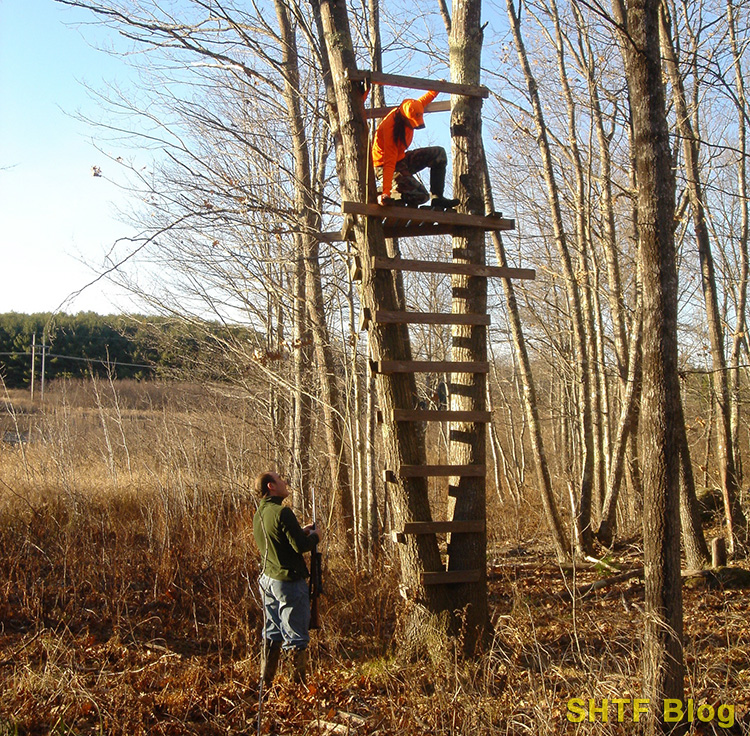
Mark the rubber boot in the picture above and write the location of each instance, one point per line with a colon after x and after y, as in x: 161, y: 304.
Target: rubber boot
x: 299, y: 674
x: 269, y: 661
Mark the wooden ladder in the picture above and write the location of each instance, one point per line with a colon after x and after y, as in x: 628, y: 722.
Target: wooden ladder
x: 413, y: 222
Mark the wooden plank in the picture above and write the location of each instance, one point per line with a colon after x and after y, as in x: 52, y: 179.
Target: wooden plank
x: 430, y: 318
x: 444, y: 527
x: 428, y: 366
x: 374, y: 113
x: 445, y: 577
x: 434, y: 415
x: 442, y: 471
x: 416, y: 214
x: 465, y: 269
x: 398, y: 80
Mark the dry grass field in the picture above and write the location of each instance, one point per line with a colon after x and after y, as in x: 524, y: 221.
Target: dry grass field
x: 127, y: 598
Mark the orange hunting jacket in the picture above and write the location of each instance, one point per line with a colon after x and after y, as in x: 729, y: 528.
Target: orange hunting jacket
x: 385, y: 151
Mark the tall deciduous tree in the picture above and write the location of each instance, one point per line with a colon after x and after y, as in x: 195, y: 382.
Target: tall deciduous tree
x: 662, y: 407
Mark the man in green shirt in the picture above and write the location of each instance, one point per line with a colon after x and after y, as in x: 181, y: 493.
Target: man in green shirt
x: 283, y: 579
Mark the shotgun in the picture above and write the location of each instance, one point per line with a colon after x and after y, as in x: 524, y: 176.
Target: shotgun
x: 316, y: 576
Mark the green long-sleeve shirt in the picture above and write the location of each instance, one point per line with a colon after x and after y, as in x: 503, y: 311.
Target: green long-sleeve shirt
x: 281, y: 541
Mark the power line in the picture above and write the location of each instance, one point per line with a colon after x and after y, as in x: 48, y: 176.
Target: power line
x: 103, y: 361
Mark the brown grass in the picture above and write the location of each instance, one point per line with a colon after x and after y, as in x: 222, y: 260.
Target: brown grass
x: 127, y: 597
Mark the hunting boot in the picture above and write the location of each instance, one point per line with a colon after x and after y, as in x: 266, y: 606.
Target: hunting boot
x: 437, y: 186
x: 269, y: 661
x: 441, y: 203
x: 299, y: 674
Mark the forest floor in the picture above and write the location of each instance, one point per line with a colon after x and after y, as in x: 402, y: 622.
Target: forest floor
x: 127, y: 606
x: 158, y: 677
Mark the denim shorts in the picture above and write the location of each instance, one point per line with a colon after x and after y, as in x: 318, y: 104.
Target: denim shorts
x: 286, y: 612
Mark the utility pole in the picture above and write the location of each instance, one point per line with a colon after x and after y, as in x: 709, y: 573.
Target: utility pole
x: 44, y: 355
x: 33, y: 363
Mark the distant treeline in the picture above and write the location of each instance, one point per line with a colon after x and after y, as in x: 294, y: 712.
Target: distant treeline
x: 77, y: 344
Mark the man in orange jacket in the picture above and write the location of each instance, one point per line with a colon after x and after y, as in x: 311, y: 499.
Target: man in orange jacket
x: 395, y: 167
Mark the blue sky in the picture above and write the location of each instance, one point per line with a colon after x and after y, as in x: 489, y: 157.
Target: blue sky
x: 58, y: 220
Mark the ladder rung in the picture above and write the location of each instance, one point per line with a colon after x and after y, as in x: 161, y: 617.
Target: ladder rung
x: 446, y: 577
x: 428, y: 366
x: 443, y: 527
x: 398, y: 80
x: 429, y: 318
x: 442, y: 471
x: 465, y: 269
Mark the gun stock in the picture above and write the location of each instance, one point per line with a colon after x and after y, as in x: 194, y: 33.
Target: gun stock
x: 316, y: 576
x: 316, y: 585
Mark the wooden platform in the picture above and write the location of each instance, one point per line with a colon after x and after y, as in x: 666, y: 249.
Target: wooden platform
x: 416, y: 222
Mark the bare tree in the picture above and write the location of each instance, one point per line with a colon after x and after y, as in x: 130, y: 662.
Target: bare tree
x: 582, y: 500
x: 662, y: 406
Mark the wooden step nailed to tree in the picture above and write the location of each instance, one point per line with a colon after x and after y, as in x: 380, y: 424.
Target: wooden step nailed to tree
x: 438, y: 415
x: 429, y: 366
x: 423, y: 318
x: 449, y: 577
x: 397, y: 216
x: 444, y: 527
x: 438, y: 527
x: 434, y: 471
x: 398, y: 80
x: 462, y: 269
x: 441, y: 471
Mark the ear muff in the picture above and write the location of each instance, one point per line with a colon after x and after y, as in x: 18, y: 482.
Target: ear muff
x: 413, y: 111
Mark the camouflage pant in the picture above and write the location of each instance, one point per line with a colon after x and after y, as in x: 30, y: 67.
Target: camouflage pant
x: 406, y: 186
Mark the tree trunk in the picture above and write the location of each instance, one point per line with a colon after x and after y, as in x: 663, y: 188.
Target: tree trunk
x: 605, y: 533
x: 301, y: 431
x: 740, y: 338
x: 696, y: 549
x: 662, y: 650
x: 468, y: 445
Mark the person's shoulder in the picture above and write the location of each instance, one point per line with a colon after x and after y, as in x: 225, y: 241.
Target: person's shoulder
x: 287, y: 514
